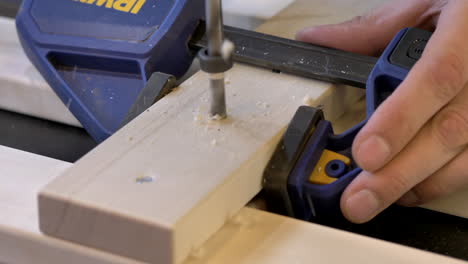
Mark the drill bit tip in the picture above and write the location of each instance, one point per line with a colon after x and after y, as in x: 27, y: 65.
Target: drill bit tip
x: 218, y: 96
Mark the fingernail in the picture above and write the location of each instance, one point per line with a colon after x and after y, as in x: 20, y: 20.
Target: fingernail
x: 362, y: 206
x: 304, y: 34
x: 409, y: 199
x: 300, y: 35
x: 373, y: 153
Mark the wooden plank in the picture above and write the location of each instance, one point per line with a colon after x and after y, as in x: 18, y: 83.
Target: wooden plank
x: 251, y: 236
x: 259, y: 237
x: 22, y: 89
x: 454, y: 204
x: 22, y: 175
x: 204, y: 172
x: 219, y: 164
x: 260, y: 9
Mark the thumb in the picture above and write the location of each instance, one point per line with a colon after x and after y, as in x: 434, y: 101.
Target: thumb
x: 370, y: 34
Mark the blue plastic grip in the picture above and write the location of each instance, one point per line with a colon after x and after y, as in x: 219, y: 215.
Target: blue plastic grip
x: 98, y: 55
x: 316, y: 202
x: 385, y: 77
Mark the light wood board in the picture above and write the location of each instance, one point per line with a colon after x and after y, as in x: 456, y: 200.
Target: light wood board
x: 260, y: 9
x: 256, y: 237
x: 250, y: 237
x: 22, y: 175
x: 203, y: 172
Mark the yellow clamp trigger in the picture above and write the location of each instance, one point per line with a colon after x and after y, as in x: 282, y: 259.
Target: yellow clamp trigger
x: 319, y: 175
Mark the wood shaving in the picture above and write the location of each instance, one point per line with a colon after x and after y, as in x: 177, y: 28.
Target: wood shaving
x: 307, y: 100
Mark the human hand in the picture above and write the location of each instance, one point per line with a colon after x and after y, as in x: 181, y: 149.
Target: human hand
x: 414, y: 147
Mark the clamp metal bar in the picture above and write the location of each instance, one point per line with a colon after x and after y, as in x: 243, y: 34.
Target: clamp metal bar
x: 294, y: 57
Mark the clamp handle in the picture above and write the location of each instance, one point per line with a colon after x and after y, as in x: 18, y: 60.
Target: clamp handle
x: 312, y: 185
x: 99, y: 55
x: 394, y: 65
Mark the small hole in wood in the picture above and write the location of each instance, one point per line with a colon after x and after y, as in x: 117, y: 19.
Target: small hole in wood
x: 144, y: 179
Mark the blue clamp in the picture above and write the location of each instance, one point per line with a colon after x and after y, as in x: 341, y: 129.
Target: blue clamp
x: 98, y: 55
x: 312, y: 166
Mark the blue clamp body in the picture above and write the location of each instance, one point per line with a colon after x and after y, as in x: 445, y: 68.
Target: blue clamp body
x: 98, y: 54
x: 296, y: 194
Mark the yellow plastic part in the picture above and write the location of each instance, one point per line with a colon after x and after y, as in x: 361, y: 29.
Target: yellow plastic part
x: 319, y: 176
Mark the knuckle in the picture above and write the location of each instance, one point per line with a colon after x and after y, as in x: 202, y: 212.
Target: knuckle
x: 360, y: 20
x: 366, y: 19
x: 450, y: 128
x: 406, y: 128
x: 448, y: 75
x: 398, y: 184
x: 440, y: 3
x: 356, y: 19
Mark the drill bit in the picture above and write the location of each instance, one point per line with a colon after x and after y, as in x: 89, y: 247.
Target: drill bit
x: 214, y: 27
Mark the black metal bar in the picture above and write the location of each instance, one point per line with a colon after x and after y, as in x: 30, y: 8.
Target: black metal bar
x: 294, y: 57
x: 9, y: 8
x: 44, y: 137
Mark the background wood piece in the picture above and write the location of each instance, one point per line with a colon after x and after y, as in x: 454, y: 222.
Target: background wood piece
x: 203, y: 172
x: 22, y: 175
x: 260, y: 9
x: 259, y: 237
x: 22, y: 88
x: 454, y: 204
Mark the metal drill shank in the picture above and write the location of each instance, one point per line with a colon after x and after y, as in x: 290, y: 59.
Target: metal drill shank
x: 214, y: 27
